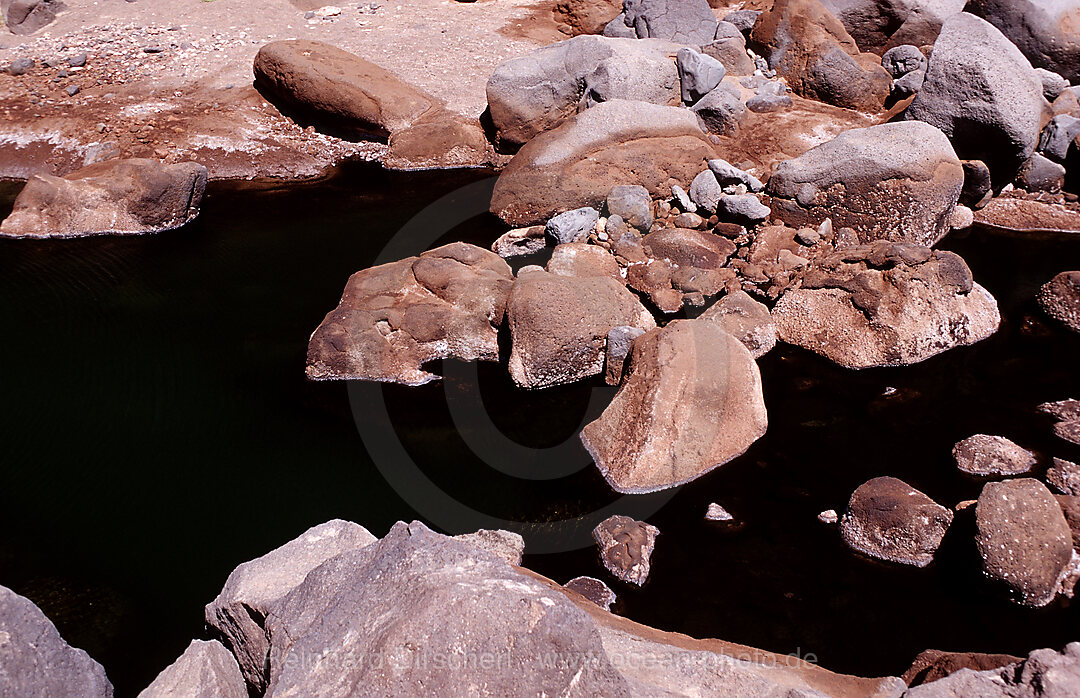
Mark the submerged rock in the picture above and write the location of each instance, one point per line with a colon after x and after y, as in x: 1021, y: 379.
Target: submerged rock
x: 626, y: 547
x: 1060, y: 299
x: 715, y: 512
x: 691, y: 401
x: 890, y: 520
x: 393, y: 318
x: 592, y: 589
x: 982, y: 454
x: 122, y: 197
x: 204, y: 670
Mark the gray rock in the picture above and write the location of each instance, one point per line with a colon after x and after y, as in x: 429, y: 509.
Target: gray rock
x: 984, y: 455
x: 71, y: 90
x: 721, y: 112
x: 743, y: 19
x: 520, y: 241
x: 238, y: 613
x: 901, y: 60
x: 28, y: 16
x: 626, y: 547
x: 983, y: 94
x: 572, y: 226
x: 888, y: 519
x: 619, y: 342
x: 742, y: 208
x: 1041, y: 174
x: 592, y: 589
x: 745, y: 319
x: 36, y: 662
x: 682, y: 198
x: 689, y: 22
x: 633, y: 204
x: 878, y: 25
x: 1053, y: 84
x: 1064, y: 476
x: 1044, y: 674
x: 507, y: 545
x: 705, y: 191
x: 618, y: 29
x: 699, y: 74
x: 1060, y: 299
x: 1044, y: 30
x: 204, y: 670
x: 21, y: 66
x: 1058, y: 135
x: 726, y: 173
x: 78, y: 60
x: 909, y: 84
x: 766, y: 103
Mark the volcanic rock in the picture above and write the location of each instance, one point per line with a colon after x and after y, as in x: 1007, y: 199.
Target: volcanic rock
x: 1060, y: 299
x: 745, y: 319
x: 888, y: 519
x: 626, y: 547
x: 992, y: 455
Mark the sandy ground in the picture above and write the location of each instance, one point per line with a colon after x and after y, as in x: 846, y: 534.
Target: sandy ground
x: 191, y: 98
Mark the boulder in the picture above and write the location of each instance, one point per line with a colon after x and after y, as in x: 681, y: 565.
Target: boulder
x: 678, y: 265
x: 1023, y: 537
x: 338, y: 89
x: 689, y: 22
x: 1044, y: 674
x: 238, y: 613
x: 122, y: 197
x: 743, y: 20
x: 984, y: 455
x: 28, y: 16
x: 705, y: 191
x: 1064, y: 476
x: 896, y: 181
x: 559, y: 325
x: 394, y: 318
x: 1060, y: 299
x: 626, y: 547
x: 699, y: 74
x: 1069, y: 431
x: 592, y: 589
x: 619, y: 342
x: 885, y: 310
x: 616, y: 142
x: 572, y: 226
x: 731, y: 52
x: 809, y: 47
x: 1058, y: 135
x: 507, y: 545
x: 745, y: 319
x: 534, y: 93
x: 583, y: 259
x: 1045, y: 31
x: 721, y: 111
x: 931, y: 665
x: 888, y: 519
x: 1062, y: 410
x: 977, y: 188
x: 521, y: 241
x: 1041, y: 174
x: 1070, y: 507
x: 586, y: 16
x: 204, y: 670
x: 983, y: 94
x: 879, y: 25
x: 691, y: 401
x: 440, y: 140
x: 1053, y: 84
x: 633, y: 204
x: 901, y: 60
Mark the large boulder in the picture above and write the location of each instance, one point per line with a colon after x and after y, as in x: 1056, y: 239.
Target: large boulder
x: 879, y: 25
x: 896, y: 181
x: 1046, y: 31
x: 27, y: 16
x: 983, y: 455
x: 1044, y: 674
x: 337, y: 88
x: 889, y: 304
x: 1060, y: 299
x: 691, y: 401
x: 617, y: 142
x: 745, y: 319
x: 1023, y: 537
x: 805, y: 44
x: 533, y: 93
x: 626, y: 547
x: 689, y: 22
x: 35, y: 662
x: 122, y: 197
x: 204, y: 670
x: 393, y: 318
x: 983, y: 94
x: 238, y: 613
x: 889, y: 519
x: 559, y: 325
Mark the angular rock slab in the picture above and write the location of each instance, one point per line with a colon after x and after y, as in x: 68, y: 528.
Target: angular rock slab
x: 897, y: 181
x: 559, y: 325
x: 393, y: 318
x: 983, y: 455
x: 626, y: 547
x: 204, y: 670
x: 36, y: 662
x: 691, y: 401
x: 615, y: 142
x: 238, y: 613
x: 889, y: 519
x: 121, y: 197
x: 1023, y: 538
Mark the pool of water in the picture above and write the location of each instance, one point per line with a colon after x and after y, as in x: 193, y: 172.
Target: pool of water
x: 157, y: 430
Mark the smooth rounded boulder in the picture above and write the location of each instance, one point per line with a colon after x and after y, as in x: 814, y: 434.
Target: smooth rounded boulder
x: 1046, y: 31
x: 896, y: 181
x: 689, y: 22
x: 984, y: 455
x: 889, y: 519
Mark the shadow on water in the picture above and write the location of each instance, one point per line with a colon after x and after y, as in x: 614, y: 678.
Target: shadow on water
x: 158, y: 430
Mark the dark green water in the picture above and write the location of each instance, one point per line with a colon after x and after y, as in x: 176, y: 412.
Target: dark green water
x: 158, y: 430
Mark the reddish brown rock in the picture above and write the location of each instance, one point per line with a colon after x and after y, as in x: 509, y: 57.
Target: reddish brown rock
x: 1069, y: 431
x: 439, y: 141
x: 1028, y: 216
x: 1062, y: 410
x: 1060, y: 299
x: 888, y: 519
x: 982, y: 454
x: 1070, y: 507
x: 745, y: 319
x: 681, y: 265
x: 931, y: 665
x: 1064, y: 476
x: 393, y: 318
x: 691, y: 401
x: 586, y: 16
x: 592, y: 589
x: 626, y: 547
x: 583, y: 259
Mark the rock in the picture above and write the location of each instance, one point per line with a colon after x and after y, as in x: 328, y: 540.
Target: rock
x: 909, y: 84
x: 675, y: 265
x: 682, y: 198
x: 626, y: 546
x: 726, y: 174
x: 394, y: 318
x: 895, y: 181
x: 1064, y: 476
x: 1070, y: 507
x: 915, y: 310
x: 992, y: 455
x: 1069, y: 431
x: 572, y: 226
x: 21, y: 66
x: 1059, y: 298
x: 828, y: 516
x: 586, y: 16
x: 559, y: 326
x: 617, y: 29
x: 810, y: 48
x: 592, y: 589
x: 699, y: 74
x: 1023, y: 538
x: 743, y: 19
x: 1041, y: 174
x: 204, y: 670
x: 36, y: 661
x: 764, y: 104
x: 1058, y: 135
x: 633, y: 204
x: 575, y: 164
x: 691, y: 401
x: 1062, y: 410
x: 438, y: 140
x: 534, y: 93
x: 1025, y: 215
x: 507, y: 545
x: 71, y: 90
x: 521, y: 241
x: 731, y: 52
x: 338, y: 89
x: 888, y: 519
x: 745, y: 319
x: 619, y: 342
x: 976, y: 191
x: 901, y: 60
x: 931, y: 665
x: 689, y: 22
x: 28, y: 16
x: 705, y: 191
x: 1053, y: 84
x: 1045, y: 32
x: 78, y: 60
x: 582, y: 259
x: 715, y: 512
x: 123, y: 197
x: 878, y: 25
x: 691, y: 221
x: 983, y: 94
x: 742, y: 208
x: 1044, y: 674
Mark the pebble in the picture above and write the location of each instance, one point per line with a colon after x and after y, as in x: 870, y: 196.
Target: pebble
x: 718, y: 513
x: 808, y: 237
x: 72, y: 90
x: 152, y: 49
x: 828, y: 516
x: 20, y: 66
x: 78, y: 60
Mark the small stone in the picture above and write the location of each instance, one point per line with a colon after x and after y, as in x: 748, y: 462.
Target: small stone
x: 726, y: 173
x: 688, y: 220
x: 72, y: 90
x: 961, y: 217
x: 21, y: 66
x: 626, y: 547
x: 310, y: 14
x: 1040, y: 173
x: 985, y: 455
x: 808, y: 237
x: 744, y: 207
x: 909, y: 84
x: 633, y: 204
x: 152, y: 49
x: 572, y: 226
x: 1064, y: 476
x: 1060, y: 299
x: 716, y: 512
x: 764, y: 104
x: 520, y: 241
x: 680, y: 195
x: 328, y: 11
x: 965, y: 504
x: 829, y: 516
x: 705, y: 191
x: 78, y: 60
x: 620, y: 340
x: 592, y: 589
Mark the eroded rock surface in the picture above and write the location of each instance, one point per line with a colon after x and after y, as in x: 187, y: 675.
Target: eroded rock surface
x: 1060, y: 299
x: 626, y: 547
x: 678, y: 265
x: 888, y: 519
x: 1044, y: 674
x: 983, y: 454
x: 931, y: 665
x: 1064, y: 476
x: 28, y: 16
x: 745, y: 319
x: 1046, y: 31
x: 879, y: 25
